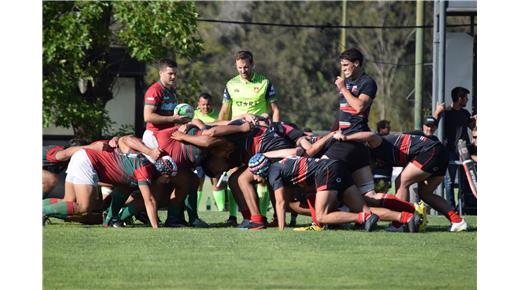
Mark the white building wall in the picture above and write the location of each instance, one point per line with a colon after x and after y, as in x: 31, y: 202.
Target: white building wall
x: 121, y: 108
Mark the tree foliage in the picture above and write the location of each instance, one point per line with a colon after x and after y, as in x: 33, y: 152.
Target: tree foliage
x: 77, y: 38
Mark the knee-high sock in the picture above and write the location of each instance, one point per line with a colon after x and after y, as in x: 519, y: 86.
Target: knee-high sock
x: 390, y: 201
x: 117, y: 201
x: 48, y: 201
x: 191, y: 206
x: 126, y: 212
x: 220, y: 198
x: 199, y: 197
x: 232, y: 203
x: 310, y: 202
x: 263, y: 198
x: 453, y: 217
x: 60, y: 210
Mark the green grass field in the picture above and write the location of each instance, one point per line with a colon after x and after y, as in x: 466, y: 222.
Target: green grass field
x: 91, y: 257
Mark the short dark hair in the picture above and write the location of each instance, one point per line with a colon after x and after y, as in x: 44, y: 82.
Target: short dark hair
x: 458, y: 92
x: 430, y: 120
x: 166, y: 62
x: 383, y: 124
x: 244, y: 54
x: 206, y: 96
x: 352, y: 54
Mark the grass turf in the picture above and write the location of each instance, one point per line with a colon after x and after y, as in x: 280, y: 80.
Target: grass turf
x: 91, y: 257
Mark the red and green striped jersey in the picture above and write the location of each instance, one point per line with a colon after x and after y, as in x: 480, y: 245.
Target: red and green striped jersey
x: 165, y: 101
x: 185, y: 155
x: 118, y: 168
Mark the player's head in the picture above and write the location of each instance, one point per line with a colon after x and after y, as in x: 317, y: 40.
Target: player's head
x: 383, y: 127
x: 166, y: 166
x: 351, y: 61
x: 167, y: 72
x: 259, y: 165
x: 429, y: 125
x: 244, y: 64
x: 205, y: 103
x: 460, y: 95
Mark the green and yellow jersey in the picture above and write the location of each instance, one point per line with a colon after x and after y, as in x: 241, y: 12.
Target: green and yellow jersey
x: 250, y: 97
x: 206, y: 118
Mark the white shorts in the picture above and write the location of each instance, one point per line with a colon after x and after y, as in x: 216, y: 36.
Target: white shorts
x: 150, y: 141
x: 80, y: 170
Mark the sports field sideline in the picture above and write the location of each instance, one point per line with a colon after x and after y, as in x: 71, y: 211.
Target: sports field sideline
x: 91, y: 257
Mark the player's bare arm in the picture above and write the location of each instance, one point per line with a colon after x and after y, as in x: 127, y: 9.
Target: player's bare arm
x: 224, y: 112
x: 316, y: 147
x: 280, y: 198
x: 129, y: 142
x: 276, y: 112
x: 371, y: 138
x: 150, y: 204
x: 151, y: 117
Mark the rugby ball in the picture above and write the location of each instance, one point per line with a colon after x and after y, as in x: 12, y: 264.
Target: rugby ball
x: 184, y: 110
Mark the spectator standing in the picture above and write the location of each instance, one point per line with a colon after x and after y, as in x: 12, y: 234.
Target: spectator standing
x: 457, y: 120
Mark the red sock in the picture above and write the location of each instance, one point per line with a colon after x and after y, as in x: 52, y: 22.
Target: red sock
x: 362, y: 217
x: 246, y: 214
x: 454, y: 217
x: 310, y: 202
x: 405, y: 217
x: 257, y: 219
x: 391, y: 201
x: 70, y: 208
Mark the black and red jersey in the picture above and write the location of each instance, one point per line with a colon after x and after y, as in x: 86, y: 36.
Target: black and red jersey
x: 262, y: 139
x: 349, y: 120
x: 302, y: 171
x: 399, y: 149
x: 185, y: 155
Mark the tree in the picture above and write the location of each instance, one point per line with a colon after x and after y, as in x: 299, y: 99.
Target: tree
x: 384, y: 50
x: 77, y: 38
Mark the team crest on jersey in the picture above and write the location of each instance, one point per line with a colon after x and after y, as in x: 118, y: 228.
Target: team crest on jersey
x: 236, y: 90
x: 256, y: 89
x: 355, y: 89
x: 338, y: 180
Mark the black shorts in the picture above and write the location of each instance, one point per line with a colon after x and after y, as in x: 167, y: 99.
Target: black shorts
x: 354, y: 154
x: 434, y: 161
x: 333, y: 176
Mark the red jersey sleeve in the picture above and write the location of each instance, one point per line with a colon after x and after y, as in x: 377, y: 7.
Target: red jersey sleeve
x: 144, y: 174
x: 153, y: 96
x: 51, y: 154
